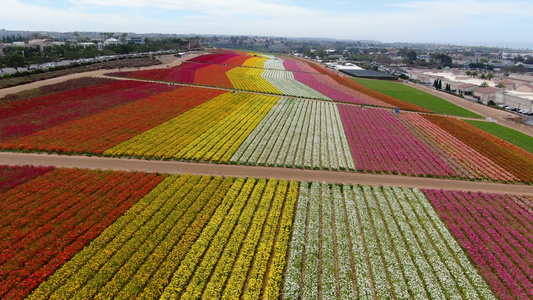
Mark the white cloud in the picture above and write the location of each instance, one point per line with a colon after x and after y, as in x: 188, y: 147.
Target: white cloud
x: 226, y: 7
x: 485, y: 8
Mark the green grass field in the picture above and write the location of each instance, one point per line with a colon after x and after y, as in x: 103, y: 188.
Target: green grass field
x: 417, y: 97
x: 512, y: 136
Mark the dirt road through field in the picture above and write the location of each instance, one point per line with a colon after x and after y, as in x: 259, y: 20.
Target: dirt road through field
x: 175, y: 167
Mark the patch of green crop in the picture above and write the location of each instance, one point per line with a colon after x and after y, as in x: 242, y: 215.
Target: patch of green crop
x: 417, y: 97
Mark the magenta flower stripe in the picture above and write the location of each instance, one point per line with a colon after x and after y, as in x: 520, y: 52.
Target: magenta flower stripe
x: 311, y: 81
x: 496, y: 233
x: 380, y: 143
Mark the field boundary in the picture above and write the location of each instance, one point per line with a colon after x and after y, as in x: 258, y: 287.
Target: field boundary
x: 176, y: 167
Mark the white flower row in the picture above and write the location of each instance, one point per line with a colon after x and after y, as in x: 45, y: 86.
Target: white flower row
x: 274, y: 63
x: 361, y: 264
x: 392, y: 265
x: 293, y: 274
x: 401, y: 242
x: 312, y: 250
x: 298, y: 133
x: 291, y: 87
x: 327, y: 248
x: 346, y: 274
x: 374, y: 255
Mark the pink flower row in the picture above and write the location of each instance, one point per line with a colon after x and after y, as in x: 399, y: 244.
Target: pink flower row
x: 380, y: 143
x: 497, y: 234
x: 311, y: 81
x: 462, y: 159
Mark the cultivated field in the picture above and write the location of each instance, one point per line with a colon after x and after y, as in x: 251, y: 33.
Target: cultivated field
x: 73, y: 233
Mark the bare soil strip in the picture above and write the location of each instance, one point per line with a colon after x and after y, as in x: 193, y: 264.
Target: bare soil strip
x: 176, y: 167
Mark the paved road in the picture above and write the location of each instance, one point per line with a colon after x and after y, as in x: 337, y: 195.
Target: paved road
x: 175, y: 167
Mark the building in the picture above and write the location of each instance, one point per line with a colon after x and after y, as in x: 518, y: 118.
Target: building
x: 525, y: 88
x: 137, y: 40
x: 465, y: 88
x: 520, y: 100
x: 486, y: 94
x: 111, y: 42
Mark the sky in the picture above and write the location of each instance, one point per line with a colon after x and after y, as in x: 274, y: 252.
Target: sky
x: 462, y: 22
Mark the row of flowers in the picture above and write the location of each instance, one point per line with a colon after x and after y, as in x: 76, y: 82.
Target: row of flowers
x: 12, y: 176
x: 513, y: 158
x: 31, y: 115
x: 380, y: 143
x: 298, y: 133
x: 497, y: 234
x: 169, y: 138
x: 462, y: 159
x: 75, y: 207
x: 395, y: 246
x: 99, y: 132
x: 221, y: 141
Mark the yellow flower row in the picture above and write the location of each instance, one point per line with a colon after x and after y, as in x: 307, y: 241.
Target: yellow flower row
x: 219, y: 264
x: 212, y: 239
x: 255, y: 62
x: 253, y: 239
x: 275, y: 274
x: 73, y: 275
x: 248, y: 79
x: 167, y: 139
x: 157, y: 270
x: 221, y: 141
x: 263, y: 253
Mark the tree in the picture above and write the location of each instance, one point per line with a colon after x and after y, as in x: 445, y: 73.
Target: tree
x: 500, y: 85
x: 123, y: 37
x: 307, y: 51
x: 518, y: 59
x: 411, y: 56
x: 440, y: 84
x: 490, y: 75
x: 320, y: 52
x: 484, y: 84
x: 16, y: 61
x: 529, y: 60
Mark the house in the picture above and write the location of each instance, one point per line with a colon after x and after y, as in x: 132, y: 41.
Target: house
x: 509, y: 84
x: 466, y: 88
x: 111, y: 41
x: 526, y: 88
x: 136, y: 40
x: 486, y: 94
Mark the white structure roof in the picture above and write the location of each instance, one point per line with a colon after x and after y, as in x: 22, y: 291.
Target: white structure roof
x: 462, y: 79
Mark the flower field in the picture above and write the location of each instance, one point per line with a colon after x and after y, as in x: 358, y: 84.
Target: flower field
x: 26, y: 116
x: 79, y: 234
x: 12, y: 176
x: 97, y: 133
x: 353, y: 242
x: 150, y: 120
x: 272, y: 75
x: 497, y: 232
x: 298, y: 133
x: 47, y: 220
x: 170, y: 138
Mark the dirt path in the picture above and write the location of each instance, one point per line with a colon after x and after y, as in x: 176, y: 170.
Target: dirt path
x: 479, y: 109
x: 174, y: 167
x: 171, y: 61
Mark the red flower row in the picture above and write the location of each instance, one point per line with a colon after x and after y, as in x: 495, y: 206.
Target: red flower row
x: 57, y: 217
